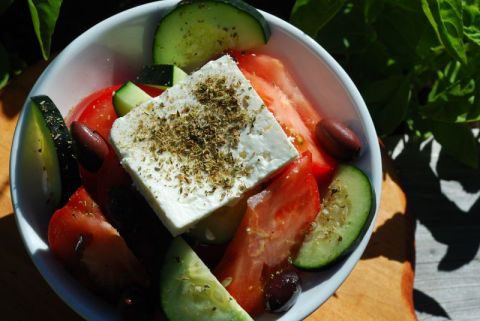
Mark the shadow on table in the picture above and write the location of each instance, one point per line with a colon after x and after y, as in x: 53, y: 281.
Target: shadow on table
x: 444, y: 202
x: 394, y: 238
x: 22, y: 286
x: 443, y: 195
x: 385, y: 240
x: 13, y: 96
x: 426, y: 304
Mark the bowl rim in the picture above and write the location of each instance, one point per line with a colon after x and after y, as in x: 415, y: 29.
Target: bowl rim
x: 351, y: 90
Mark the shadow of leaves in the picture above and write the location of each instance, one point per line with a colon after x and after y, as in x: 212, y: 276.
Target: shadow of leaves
x: 13, y: 96
x: 385, y: 240
x: 427, y: 304
x: 438, y: 209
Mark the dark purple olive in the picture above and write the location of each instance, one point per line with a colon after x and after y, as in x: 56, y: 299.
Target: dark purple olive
x: 282, y: 290
x: 91, y: 148
x: 337, y: 139
x: 135, y: 305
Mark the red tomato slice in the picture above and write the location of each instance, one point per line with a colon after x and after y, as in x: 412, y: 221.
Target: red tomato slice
x: 291, y: 122
x: 152, y: 91
x: 271, y: 231
x: 274, y: 71
x: 79, y: 233
x: 97, y: 112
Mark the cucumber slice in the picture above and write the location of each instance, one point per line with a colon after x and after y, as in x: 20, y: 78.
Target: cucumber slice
x: 195, y: 31
x: 128, y: 97
x: 189, y: 291
x: 161, y: 76
x: 53, y: 142
x: 345, y: 212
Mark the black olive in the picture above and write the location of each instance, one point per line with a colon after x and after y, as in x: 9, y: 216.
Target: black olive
x: 338, y: 139
x: 92, y: 149
x: 282, y: 290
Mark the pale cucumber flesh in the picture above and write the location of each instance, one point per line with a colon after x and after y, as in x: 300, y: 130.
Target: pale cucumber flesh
x: 196, y: 31
x: 189, y: 291
x: 344, y: 215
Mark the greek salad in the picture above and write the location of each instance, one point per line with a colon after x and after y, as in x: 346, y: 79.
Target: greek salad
x: 202, y: 188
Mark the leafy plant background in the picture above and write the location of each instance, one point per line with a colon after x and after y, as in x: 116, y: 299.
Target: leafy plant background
x: 416, y: 62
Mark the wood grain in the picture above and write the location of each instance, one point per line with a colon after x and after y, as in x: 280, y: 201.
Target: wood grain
x: 379, y: 288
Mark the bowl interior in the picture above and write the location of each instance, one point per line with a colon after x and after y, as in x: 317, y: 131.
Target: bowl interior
x: 113, y: 52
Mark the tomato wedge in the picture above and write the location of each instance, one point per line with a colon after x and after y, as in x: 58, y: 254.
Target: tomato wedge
x: 273, y: 70
x: 271, y: 231
x: 97, y: 112
x: 78, y: 233
x: 290, y: 107
x: 282, y: 108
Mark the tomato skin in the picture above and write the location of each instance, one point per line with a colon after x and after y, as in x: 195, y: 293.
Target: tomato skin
x: 271, y: 231
x: 79, y: 234
x: 152, y: 91
x: 290, y: 107
x: 282, y: 108
x: 98, y: 113
x: 273, y: 70
x: 69, y: 222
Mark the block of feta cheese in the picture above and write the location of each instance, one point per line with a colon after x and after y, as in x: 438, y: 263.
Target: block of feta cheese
x: 200, y: 145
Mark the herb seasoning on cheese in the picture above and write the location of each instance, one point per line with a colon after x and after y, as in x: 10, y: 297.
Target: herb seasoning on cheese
x: 202, y: 136
x: 201, y: 144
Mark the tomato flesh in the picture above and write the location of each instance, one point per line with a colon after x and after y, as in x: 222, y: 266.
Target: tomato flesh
x: 303, y: 139
x: 78, y: 233
x: 292, y: 110
x: 271, y: 231
x: 97, y: 112
x: 274, y: 71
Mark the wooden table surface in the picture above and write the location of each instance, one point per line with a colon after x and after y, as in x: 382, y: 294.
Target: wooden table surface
x: 379, y: 288
x: 444, y: 197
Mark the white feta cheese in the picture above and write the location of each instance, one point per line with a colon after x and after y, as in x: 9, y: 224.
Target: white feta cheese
x: 200, y: 145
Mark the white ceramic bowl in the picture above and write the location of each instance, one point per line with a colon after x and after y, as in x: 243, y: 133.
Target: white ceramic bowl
x: 113, y: 52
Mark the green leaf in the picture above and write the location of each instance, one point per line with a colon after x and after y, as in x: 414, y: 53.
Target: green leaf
x: 456, y: 110
x: 458, y: 141
x: 381, y: 91
x: 390, y: 115
x: 418, y: 125
x: 312, y: 15
x: 44, y: 17
x: 455, y: 94
x: 4, y: 4
x: 4, y: 66
x: 445, y: 16
x: 408, y: 5
x: 347, y: 33
x: 372, y: 9
x: 402, y: 39
x: 471, y: 22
